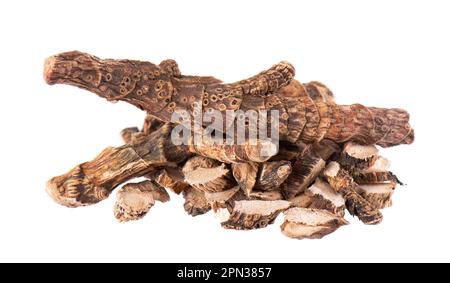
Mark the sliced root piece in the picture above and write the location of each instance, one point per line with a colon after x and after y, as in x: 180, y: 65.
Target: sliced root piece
x: 362, y: 209
x: 308, y: 223
x: 245, y: 175
x: 207, y: 175
x: 272, y: 175
x: 133, y: 202
x: 218, y: 200
x: 381, y: 164
x: 171, y: 178
x: 158, y: 192
x: 270, y: 195
x: 304, y: 171
x: 376, y: 178
x: 341, y: 181
x: 323, y: 196
x: 359, y: 157
x: 195, y: 202
x: 303, y: 200
x: 253, y: 214
x: 378, y: 195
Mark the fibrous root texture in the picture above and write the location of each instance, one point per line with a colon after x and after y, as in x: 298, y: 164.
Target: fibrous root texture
x: 324, y: 162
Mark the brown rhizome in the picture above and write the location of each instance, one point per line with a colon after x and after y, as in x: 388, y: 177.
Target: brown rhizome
x: 324, y: 161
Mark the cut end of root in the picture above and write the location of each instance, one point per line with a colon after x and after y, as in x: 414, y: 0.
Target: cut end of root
x: 49, y: 67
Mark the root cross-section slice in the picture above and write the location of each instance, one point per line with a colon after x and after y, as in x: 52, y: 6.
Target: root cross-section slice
x: 304, y: 171
x: 218, y: 200
x: 381, y: 164
x: 195, y: 202
x: 308, y: 223
x: 355, y: 156
x: 341, y: 181
x: 207, y: 175
x: 270, y: 195
x: 133, y: 202
x: 324, y: 197
x: 378, y: 195
x: 253, y: 214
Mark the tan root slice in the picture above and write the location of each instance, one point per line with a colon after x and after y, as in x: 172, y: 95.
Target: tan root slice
x: 378, y: 195
x: 218, y: 200
x: 302, y: 200
x: 206, y: 175
x: 304, y: 171
x: 270, y: 195
x: 272, y: 175
x: 323, y: 196
x: 245, y: 175
x: 359, y: 157
x: 171, y: 178
x: 308, y: 223
x: 341, y: 181
x: 134, y: 200
x: 253, y: 214
x: 381, y: 164
x: 195, y: 202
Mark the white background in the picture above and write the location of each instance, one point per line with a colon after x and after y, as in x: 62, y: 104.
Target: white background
x: 379, y: 53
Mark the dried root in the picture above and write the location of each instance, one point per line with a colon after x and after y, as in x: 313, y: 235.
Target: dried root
x: 254, y: 214
x: 358, y: 157
x: 207, y: 175
x: 323, y: 196
x: 245, y: 175
x: 195, y: 202
x: 171, y: 178
x: 134, y: 200
x: 378, y: 195
x: 323, y: 161
x: 272, y: 175
x: 341, y: 181
x: 304, y: 171
x: 308, y: 223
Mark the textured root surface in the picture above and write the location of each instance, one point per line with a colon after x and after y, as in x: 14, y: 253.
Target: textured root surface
x: 304, y: 171
x: 245, y: 175
x: 359, y: 157
x: 272, y: 175
x: 378, y: 195
x: 308, y: 223
x: 195, y: 202
x: 341, y: 181
x: 133, y: 202
x: 253, y: 214
x: 324, y: 159
x: 324, y: 197
x: 172, y: 178
x: 376, y: 178
x: 207, y: 175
